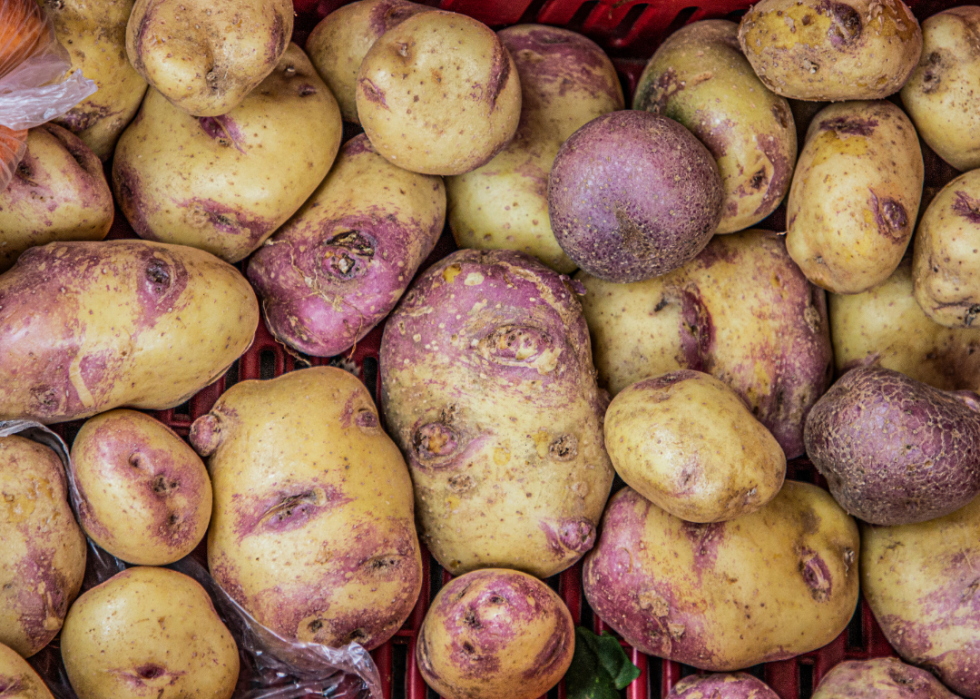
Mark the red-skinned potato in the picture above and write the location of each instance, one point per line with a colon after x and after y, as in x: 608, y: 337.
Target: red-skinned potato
x: 880, y: 678
x: 20, y: 678
x: 90, y: 326
x: 312, y: 530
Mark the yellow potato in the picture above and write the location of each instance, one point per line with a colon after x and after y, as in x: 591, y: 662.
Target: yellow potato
x: 148, y: 632
x: 145, y: 495
x: 58, y: 192
x: 688, y: 443
x: 18, y: 678
x: 855, y: 196
x: 42, y: 550
x: 95, y: 35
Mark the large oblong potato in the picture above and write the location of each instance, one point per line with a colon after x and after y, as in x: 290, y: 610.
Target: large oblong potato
x: 90, y: 326
x: 855, y: 196
x: 42, y: 549
x: 700, y: 78
x: 921, y: 582
x: 846, y: 50
x: 946, y: 254
x: 225, y: 184
x: 767, y: 586
x: 95, y: 35
x: 943, y: 94
x: 207, y: 57
x: 58, y: 192
x: 741, y: 311
x: 489, y: 390
x: 19, y: 677
x: 313, y: 530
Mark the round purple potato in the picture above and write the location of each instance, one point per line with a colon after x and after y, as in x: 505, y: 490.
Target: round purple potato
x: 880, y: 678
x: 633, y: 195
x: 737, y: 685
x: 894, y: 450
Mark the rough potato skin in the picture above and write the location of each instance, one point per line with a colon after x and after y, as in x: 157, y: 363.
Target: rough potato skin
x: 206, y: 57
x: 817, y: 50
x: 566, y: 81
x: 433, y: 109
x: 488, y: 388
x: 880, y: 678
x: 58, y: 192
x: 764, y: 587
x: 699, y: 78
x: 312, y: 530
x: 737, y: 685
x: 338, y: 44
x: 943, y: 94
x: 225, y: 184
x: 946, y: 256
x: 633, y: 195
x: 339, y: 266
x: 855, y: 196
x: 495, y: 634
x: 886, y: 326
x: 920, y: 581
x: 18, y: 677
x: 688, y: 443
x: 894, y: 450
x: 90, y: 326
x: 94, y: 33
x: 740, y: 311
x: 42, y: 550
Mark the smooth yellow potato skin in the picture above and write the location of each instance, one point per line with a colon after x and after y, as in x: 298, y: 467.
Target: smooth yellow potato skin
x: 689, y: 444
x: 943, y: 94
x: 58, y: 192
x: 855, y: 196
x: 42, y: 549
x: 145, y: 494
x: 886, y: 325
x: 94, y: 32
x: 148, y: 632
x: 16, y: 673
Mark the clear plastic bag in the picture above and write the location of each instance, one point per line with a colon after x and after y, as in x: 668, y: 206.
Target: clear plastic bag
x: 271, y: 667
x: 34, y: 87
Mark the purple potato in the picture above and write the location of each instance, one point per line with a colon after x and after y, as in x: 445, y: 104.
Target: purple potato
x: 880, y: 678
x: 736, y: 685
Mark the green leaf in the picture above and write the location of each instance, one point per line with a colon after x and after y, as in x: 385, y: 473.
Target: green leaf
x: 600, y: 667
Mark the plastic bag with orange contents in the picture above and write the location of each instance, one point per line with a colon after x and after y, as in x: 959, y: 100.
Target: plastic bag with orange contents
x: 33, y: 86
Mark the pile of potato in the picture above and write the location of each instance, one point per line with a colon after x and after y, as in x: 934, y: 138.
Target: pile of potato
x: 691, y: 355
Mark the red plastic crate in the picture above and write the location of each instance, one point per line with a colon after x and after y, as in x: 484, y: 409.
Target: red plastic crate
x: 630, y: 31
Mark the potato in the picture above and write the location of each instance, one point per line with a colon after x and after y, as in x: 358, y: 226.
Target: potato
x: 809, y: 50
x: 438, y: 94
x: 312, y: 530
x: 90, y: 326
x: 633, y: 196
x: 688, y: 443
x: 943, y: 94
x: 737, y: 685
x: 338, y: 44
x: 58, y: 192
x: 920, y: 581
x: 886, y: 326
x: 699, y: 78
x: 894, y: 450
x: 855, y: 196
x: 42, y: 550
x: 144, y: 495
x: 206, y: 58
x: 946, y: 257
x: 225, y: 184
x: 488, y: 388
x: 879, y: 678
x: 339, y: 266
x: 18, y: 680
x: 495, y: 634
x: 148, y: 632
x: 566, y: 82
x: 95, y: 35
x: 740, y: 311
x: 766, y: 586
